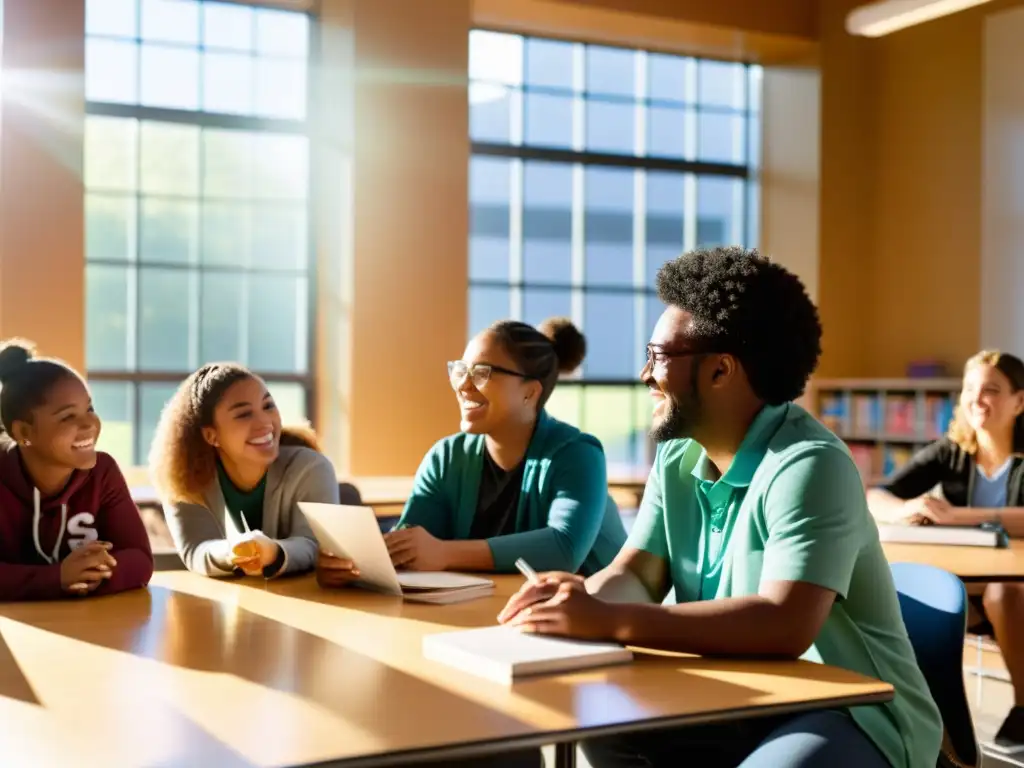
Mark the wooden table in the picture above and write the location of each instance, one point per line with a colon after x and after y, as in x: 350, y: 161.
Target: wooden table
x: 970, y: 564
x: 197, y: 671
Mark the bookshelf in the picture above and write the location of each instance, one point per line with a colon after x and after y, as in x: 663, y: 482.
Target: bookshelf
x: 884, y: 421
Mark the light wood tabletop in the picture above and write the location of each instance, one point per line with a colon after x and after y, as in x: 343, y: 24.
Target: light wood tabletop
x: 196, y: 671
x: 968, y: 563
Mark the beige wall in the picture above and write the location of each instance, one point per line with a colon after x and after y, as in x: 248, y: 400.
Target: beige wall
x: 791, y: 170
x: 41, y: 231
x: 901, y: 205
x: 395, y: 284
x: 1002, y: 188
x: 847, y: 158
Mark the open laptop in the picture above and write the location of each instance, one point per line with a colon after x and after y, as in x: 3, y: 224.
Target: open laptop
x: 353, y: 533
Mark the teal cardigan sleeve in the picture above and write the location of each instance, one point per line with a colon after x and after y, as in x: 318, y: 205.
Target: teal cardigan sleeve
x: 580, y: 494
x: 428, y: 505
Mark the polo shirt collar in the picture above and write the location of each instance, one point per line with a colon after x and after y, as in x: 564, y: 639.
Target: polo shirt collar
x: 750, y: 453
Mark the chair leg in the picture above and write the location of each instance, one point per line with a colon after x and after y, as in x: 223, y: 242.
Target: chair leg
x: 978, y: 677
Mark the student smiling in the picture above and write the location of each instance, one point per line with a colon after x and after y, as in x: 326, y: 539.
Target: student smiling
x: 68, y: 525
x: 515, y: 482
x: 755, y: 519
x: 979, y: 467
x: 231, y: 477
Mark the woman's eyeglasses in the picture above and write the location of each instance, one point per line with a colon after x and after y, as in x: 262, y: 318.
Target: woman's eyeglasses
x: 479, y: 374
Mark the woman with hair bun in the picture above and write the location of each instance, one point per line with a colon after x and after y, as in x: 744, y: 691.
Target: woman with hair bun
x: 68, y: 525
x: 514, y: 482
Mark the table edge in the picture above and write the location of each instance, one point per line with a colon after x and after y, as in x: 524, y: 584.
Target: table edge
x: 527, y: 741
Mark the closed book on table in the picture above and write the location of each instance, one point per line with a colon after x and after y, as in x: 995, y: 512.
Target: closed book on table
x: 504, y: 654
x: 951, y: 535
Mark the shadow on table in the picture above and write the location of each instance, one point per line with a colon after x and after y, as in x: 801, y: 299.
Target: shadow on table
x: 197, y: 633
x: 13, y: 683
x: 465, y: 615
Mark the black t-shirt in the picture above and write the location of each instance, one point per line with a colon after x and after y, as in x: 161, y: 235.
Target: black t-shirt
x: 498, y: 501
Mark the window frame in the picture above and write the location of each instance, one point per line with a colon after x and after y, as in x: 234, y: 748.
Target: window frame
x: 227, y: 121
x: 518, y: 150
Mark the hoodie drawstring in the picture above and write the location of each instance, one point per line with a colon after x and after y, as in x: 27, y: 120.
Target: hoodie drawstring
x: 36, y: 517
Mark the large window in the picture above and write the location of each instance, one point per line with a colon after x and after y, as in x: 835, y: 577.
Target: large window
x: 591, y: 167
x: 197, y: 204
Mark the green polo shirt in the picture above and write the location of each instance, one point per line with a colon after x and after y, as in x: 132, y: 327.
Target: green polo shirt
x: 791, y: 507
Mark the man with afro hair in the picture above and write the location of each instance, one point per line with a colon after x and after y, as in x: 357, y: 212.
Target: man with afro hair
x: 754, y: 519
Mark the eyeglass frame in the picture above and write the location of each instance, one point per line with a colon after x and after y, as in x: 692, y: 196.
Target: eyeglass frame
x: 491, y: 368
x: 654, y: 349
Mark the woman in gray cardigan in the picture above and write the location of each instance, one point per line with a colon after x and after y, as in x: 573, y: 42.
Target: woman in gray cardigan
x: 230, y: 477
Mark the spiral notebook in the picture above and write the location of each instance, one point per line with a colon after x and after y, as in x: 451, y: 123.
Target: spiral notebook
x: 504, y: 654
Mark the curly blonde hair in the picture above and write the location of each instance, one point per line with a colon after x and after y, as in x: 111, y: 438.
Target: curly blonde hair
x: 181, y: 463
x: 960, y: 431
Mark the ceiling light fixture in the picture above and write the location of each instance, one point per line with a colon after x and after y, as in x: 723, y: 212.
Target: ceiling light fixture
x: 881, y: 18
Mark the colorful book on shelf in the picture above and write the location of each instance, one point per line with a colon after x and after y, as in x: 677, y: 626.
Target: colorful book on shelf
x: 938, y: 415
x: 832, y: 411
x: 894, y: 457
x: 900, y: 415
x: 867, y: 414
x: 864, y: 458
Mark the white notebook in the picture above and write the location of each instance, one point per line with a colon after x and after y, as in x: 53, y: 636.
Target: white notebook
x: 955, y: 535
x: 504, y: 654
x: 353, y: 533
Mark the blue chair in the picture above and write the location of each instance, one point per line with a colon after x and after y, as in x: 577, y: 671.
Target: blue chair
x: 934, y: 607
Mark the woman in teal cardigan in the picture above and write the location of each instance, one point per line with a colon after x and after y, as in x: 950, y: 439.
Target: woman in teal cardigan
x: 515, y: 482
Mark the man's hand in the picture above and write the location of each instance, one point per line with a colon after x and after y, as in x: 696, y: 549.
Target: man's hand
x: 531, y: 594
x: 86, y: 567
x: 416, y: 550
x: 930, y: 510
x: 571, y: 612
x: 254, y: 551
x: 333, y: 572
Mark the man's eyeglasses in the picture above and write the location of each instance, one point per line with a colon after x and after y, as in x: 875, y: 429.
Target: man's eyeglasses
x: 655, y: 354
x: 479, y: 374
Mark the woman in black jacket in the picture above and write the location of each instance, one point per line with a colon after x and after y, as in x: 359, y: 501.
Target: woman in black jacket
x: 979, y: 467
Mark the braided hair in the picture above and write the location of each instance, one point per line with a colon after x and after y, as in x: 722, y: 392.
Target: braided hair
x: 181, y: 462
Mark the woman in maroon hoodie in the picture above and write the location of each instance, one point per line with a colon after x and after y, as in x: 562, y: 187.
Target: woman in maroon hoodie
x: 68, y: 525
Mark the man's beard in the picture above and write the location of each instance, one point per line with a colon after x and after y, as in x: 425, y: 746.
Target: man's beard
x: 681, y: 419
x: 683, y: 412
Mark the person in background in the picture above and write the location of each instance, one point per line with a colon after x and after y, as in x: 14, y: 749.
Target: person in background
x: 68, y: 525
x: 230, y: 477
x: 979, y: 467
x: 754, y: 513
x: 515, y: 482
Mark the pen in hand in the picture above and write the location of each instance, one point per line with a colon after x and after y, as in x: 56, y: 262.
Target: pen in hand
x: 527, y: 571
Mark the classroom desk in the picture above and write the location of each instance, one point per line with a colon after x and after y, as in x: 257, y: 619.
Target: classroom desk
x: 970, y: 564
x: 198, y: 671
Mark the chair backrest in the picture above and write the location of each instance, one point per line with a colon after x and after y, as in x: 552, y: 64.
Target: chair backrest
x: 934, y: 607
x: 349, y: 495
